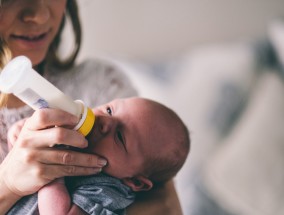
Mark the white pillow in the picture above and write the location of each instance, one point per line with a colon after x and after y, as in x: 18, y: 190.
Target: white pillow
x: 214, y: 84
x: 246, y: 176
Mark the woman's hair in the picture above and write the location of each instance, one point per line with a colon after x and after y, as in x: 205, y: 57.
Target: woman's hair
x: 5, y: 53
x: 5, y: 57
x: 52, y: 57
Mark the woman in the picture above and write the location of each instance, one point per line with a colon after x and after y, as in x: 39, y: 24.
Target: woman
x: 33, y: 28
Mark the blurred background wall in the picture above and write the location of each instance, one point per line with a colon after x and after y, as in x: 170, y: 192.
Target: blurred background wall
x: 220, y: 65
x: 152, y: 29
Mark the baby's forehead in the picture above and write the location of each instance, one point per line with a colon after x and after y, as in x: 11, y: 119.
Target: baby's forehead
x: 149, y: 109
x: 136, y: 102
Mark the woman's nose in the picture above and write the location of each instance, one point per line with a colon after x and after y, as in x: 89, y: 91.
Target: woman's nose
x: 36, y: 12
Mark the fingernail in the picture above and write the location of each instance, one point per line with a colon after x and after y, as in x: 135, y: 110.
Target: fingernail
x: 102, y: 162
x: 75, y: 120
x: 86, y: 143
x: 98, y: 170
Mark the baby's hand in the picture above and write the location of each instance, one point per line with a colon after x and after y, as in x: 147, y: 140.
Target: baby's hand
x: 14, y: 132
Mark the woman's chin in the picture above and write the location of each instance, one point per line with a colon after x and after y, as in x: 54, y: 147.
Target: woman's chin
x: 35, y: 57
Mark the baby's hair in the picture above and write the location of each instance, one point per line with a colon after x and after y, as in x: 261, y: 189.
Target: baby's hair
x: 165, y: 168
x: 161, y: 167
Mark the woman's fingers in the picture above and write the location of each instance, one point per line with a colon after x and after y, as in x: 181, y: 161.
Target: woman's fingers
x: 34, y: 161
x: 56, y: 163
x: 25, y: 170
x: 52, y: 172
x: 49, y: 117
x: 14, y: 132
x: 52, y: 136
x: 70, y: 158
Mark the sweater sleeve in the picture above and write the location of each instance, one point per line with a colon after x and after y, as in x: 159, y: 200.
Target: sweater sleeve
x: 94, y: 81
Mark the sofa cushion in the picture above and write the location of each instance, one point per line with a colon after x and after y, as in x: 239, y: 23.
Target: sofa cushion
x: 246, y: 175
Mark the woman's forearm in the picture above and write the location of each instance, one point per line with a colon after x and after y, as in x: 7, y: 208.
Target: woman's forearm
x: 7, y: 198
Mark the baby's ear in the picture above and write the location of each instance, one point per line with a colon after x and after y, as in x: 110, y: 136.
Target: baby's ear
x: 138, y: 183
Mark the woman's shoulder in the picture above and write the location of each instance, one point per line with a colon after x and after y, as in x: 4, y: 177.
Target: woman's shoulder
x: 95, y: 81
x: 101, y: 68
x: 98, y: 67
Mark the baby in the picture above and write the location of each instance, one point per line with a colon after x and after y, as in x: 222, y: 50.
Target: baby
x: 145, y: 144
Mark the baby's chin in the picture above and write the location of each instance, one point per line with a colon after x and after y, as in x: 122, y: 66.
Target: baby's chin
x: 114, y: 172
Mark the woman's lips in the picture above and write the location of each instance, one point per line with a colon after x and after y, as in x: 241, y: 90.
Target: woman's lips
x: 29, y: 38
x: 30, y: 41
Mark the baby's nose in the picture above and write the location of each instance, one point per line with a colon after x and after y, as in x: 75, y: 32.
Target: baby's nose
x: 106, y: 124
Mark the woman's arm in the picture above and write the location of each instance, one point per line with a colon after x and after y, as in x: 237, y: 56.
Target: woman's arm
x: 33, y: 162
x: 163, y: 200
x: 7, y: 198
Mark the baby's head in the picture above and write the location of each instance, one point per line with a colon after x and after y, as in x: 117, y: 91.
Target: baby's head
x: 144, y: 142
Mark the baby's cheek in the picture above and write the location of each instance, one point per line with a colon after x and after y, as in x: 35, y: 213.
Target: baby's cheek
x: 109, y: 170
x: 113, y: 170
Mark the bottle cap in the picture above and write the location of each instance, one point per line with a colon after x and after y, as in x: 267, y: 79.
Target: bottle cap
x: 12, y: 75
x: 87, y: 120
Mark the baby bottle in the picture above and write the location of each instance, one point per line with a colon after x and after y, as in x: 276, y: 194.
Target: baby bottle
x: 19, y: 78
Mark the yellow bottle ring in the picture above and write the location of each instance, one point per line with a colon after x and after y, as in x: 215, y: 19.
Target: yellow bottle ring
x: 87, y: 119
x: 88, y: 124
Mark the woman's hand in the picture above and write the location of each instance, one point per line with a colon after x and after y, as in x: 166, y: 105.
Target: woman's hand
x: 33, y: 161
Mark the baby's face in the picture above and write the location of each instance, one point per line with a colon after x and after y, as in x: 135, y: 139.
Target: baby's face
x: 121, y: 135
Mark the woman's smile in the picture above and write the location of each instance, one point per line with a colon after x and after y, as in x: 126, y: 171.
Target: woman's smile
x: 31, y: 41
x: 28, y: 27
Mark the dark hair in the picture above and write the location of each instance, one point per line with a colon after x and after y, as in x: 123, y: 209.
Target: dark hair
x: 52, y: 56
x: 162, y: 169
x: 163, y: 166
